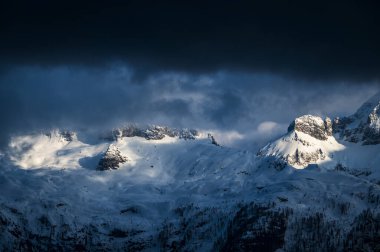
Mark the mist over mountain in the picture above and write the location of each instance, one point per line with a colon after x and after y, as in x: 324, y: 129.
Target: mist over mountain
x: 215, y: 65
x: 250, y: 108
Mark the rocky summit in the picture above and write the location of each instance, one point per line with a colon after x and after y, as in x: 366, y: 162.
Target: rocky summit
x: 313, y: 126
x: 312, y: 140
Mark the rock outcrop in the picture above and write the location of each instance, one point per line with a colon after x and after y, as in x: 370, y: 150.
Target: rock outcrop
x: 111, y: 159
x: 152, y: 132
x: 68, y: 135
x: 371, y: 133
x: 313, y: 126
x: 303, y: 159
x: 63, y: 135
x: 212, y: 139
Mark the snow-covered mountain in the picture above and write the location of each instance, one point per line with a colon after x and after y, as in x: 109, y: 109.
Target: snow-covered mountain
x: 363, y: 126
x: 309, y: 141
x: 159, y: 189
x: 350, y: 142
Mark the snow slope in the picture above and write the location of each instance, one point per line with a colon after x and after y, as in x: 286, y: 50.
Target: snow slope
x: 177, y: 190
x: 300, y: 150
x: 68, y: 191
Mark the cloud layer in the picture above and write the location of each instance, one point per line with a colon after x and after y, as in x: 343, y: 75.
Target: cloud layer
x: 243, y: 68
x: 256, y: 107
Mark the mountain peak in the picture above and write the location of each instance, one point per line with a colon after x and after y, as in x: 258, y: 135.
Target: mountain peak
x: 313, y: 126
x: 111, y: 159
x: 310, y: 139
x: 363, y: 126
x: 368, y: 107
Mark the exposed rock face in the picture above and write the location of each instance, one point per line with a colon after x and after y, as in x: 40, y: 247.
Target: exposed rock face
x: 212, y: 138
x: 64, y: 135
x: 304, y: 158
x: 68, y: 135
x: 313, y: 126
x: 152, y: 132
x: 371, y: 134
x: 363, y: 126
x: 328, y: 126
x: 111, y: 159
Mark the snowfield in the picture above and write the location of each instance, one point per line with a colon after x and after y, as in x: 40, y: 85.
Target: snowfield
x: 157, y: 189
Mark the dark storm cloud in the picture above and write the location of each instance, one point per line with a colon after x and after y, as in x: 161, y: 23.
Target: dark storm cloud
x: 306, y: 39
x: 241, y: 69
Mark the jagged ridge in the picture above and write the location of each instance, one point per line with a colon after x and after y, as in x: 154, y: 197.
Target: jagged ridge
x: 151, y: 132
x: 363, y: 126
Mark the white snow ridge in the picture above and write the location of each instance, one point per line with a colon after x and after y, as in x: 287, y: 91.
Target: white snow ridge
x: 154, y: 188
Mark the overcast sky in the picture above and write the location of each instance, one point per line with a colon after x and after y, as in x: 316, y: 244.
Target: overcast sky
x: 242, y: 70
